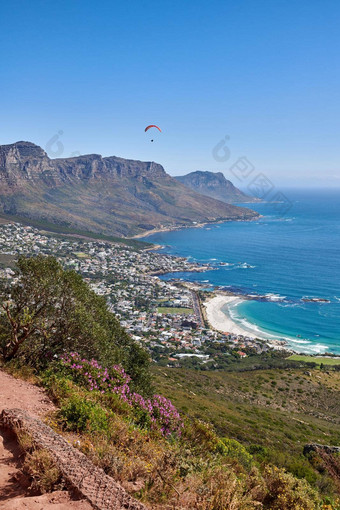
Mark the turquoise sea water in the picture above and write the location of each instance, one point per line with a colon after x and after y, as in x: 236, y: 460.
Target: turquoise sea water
x: 287, y: 258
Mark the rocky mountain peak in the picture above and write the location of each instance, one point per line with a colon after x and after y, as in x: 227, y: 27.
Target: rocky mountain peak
x: 23, y: 149
x: 215, y: 185
x: 22, y: 158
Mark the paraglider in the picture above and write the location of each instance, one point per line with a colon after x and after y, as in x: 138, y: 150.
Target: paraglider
x: 152, y: 126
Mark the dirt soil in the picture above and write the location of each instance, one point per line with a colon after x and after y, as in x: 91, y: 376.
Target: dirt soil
x: 15, y: 393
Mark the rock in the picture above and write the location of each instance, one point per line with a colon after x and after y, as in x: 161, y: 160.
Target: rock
x: 314, y: 447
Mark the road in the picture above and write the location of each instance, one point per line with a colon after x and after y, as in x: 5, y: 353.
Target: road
x: 197, y: 308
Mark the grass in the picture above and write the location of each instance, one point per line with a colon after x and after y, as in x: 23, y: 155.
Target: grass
x: 80, y: 254
x: 183, y: 311
x: 38, y: 466
x: 276, y: 410
x: 316, y: 359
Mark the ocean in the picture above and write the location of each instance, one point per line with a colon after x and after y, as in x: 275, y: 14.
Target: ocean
x: 290, y: 259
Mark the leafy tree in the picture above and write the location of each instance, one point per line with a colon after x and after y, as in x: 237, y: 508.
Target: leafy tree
x: 48, y: 311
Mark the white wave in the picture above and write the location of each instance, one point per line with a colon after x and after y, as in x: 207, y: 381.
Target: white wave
x: 297, y: 344
x: 284, y: 219
x: 274, y: 297
x: 337, y: 298
x: 230, y: 266
x: 251, y: 327
x: 318, y: 348
x: 300, y: 341
x: 241, y: 265
x: 290, y: 305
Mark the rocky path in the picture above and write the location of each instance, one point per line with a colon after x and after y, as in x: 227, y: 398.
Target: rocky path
x: 15, y: 393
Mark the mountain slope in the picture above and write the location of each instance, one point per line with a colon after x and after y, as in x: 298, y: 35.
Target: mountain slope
x: 109, y: 195
x: 215, y: 185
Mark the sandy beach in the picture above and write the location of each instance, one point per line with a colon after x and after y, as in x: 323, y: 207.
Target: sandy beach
x: 220, y: 320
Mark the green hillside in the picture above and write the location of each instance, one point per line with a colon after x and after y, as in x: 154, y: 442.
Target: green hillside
x: 318, y: 360
x: 274, y: 413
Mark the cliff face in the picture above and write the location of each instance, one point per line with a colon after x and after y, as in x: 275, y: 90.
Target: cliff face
x: 24, y: 161
x: 20, y: 163
x: 215, y: 185
x: 110, y: 195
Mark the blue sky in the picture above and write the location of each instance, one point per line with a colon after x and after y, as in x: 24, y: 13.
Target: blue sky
x: 264, y: 72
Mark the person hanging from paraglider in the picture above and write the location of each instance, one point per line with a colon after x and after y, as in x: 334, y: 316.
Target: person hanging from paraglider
x: 152, y: 126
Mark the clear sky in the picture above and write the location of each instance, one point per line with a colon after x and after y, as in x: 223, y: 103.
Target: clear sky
x: 264, y: 72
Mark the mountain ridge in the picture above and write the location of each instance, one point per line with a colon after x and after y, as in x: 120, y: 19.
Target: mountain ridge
x: 109, y: 195
x: 215, y: 185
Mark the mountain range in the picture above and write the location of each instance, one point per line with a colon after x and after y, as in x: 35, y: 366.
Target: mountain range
x: 109, y: 195
x: 215, y: 185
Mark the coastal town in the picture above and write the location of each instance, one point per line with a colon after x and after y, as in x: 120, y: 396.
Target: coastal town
x: 168, y: 317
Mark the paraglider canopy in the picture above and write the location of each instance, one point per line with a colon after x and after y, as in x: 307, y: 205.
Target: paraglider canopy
x: 152, y: 126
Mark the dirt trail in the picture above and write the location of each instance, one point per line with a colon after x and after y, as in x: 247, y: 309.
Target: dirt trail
x: 15, y: 393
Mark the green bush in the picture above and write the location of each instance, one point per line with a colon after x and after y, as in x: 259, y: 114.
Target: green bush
x: 302, y: 469
x: 58, y: 387
x: 80, y: 414
x: 113, y: 402
x: 233, y: 449
x: 142, y: 418
x: 201, y: 435
x: 259, y: 451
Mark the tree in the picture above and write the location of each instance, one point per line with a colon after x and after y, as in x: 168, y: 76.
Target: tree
x: 48, y: 311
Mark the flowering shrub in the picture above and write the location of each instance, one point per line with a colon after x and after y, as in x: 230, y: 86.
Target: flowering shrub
x: 165, y: 414
x: 157, y: 412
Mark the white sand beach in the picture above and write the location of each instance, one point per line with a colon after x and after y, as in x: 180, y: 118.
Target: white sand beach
x: 219, y: 319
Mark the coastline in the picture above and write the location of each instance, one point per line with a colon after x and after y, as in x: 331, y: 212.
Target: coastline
x: 198, y: 269
x: 221, y: 311
x: 221, y: 320
x: 172, y: 228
